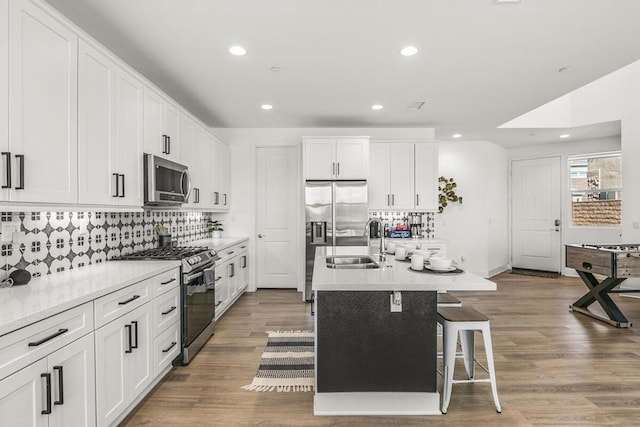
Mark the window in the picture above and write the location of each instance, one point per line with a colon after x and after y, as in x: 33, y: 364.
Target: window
x: 596, y: 189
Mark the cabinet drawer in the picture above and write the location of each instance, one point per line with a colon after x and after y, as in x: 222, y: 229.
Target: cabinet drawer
x: 232, y: 251
x: 166, y: 310
x: 165, y: 348
x: 165, y: 281
x: 24, y: 346
x: 114, y: 305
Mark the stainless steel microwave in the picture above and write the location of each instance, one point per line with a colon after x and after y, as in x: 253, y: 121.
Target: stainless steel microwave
x: 166, y: 183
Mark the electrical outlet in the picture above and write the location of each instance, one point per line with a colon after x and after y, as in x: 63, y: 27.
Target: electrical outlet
x: 396, y: 302
x: 636, y: 225
x: 8, y: 228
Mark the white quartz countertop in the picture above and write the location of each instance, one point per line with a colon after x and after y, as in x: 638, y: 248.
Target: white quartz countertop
x: 51, y: 294
x: 221, y: 243
x: 393, y: 276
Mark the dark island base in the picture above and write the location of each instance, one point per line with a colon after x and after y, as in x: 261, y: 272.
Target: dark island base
x: 363, y: 347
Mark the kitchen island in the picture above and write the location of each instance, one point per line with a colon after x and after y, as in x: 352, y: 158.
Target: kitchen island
x: 376, y: 335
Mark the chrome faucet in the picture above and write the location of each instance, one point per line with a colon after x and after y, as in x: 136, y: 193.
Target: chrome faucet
x: 382, y: 256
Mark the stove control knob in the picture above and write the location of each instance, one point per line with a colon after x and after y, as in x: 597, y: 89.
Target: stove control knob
x: 193, y: 260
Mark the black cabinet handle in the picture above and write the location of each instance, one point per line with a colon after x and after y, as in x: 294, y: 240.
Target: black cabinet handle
x: 50, y: 337
x: 219, y: 302
x: 225, y: 199
x: 218, y: 278
x: 164, y: 313
x: 166, y: 350
x: 243, y: 261
x: 168, y: 281
x: 20, y: 158
x: 129, y: 338
x: 60, y: 400
x: 135, y: 297
x: 216, y: 198
x: 243, y: 247
x: 117, y: 185
x: 7, y: 158
x: 47, y: 377
x: 231, y: 252
x: 168, y: 144
x: 164, y: 144
x: 135, y: 323
x: 122, y: 194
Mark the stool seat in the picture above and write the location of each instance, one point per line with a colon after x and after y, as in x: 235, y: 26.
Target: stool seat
x: 448, y: 300
x: 461, y: 314
x: 464, y: 322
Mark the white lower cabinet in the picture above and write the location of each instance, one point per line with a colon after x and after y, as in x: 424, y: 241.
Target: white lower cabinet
x: 55, y: 391
x: 232, y: 276
x: 166, y: 347
x: 123, y: 363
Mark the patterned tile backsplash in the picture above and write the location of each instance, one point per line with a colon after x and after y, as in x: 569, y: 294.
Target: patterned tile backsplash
x: 425, y: 219
x: 58, y: 241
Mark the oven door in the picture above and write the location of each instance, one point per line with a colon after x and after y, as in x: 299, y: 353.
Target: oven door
x: 199, y: 302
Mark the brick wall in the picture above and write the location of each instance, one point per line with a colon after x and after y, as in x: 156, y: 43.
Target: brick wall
x: 598, y: 212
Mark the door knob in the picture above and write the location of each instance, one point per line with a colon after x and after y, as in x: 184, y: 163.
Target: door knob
x: 260, y: 236
x: 555, y: 229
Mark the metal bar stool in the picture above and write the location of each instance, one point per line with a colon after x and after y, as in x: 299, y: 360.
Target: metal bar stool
x: 448, y: 300
x: 465, y: 321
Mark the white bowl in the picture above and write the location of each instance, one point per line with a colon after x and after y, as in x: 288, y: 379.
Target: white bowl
x: 440, y: 262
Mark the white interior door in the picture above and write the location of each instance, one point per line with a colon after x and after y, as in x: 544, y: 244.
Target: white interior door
x: 277, y: 213
x: 536, y: 208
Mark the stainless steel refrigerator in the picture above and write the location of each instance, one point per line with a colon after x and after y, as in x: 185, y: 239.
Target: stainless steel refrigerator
x: 336, y: 215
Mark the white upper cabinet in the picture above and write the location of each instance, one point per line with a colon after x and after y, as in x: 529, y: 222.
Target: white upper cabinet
x: 222, y: 182
x: 391, y: 183
x: 43, y: 84
x: 192, y: 156
x: 161, y: 126
x: 109, y: 131
x: 405, y: 176
x: 426, y: 176
x: 210, y: 166
x: 336, y: 158
x: 4, y: 98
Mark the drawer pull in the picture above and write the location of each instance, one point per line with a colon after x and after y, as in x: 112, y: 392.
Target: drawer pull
x: 166, y: 350
x: 60, y: 400
x: 135, y: 323
x: 164, y: 313
x: 47, y: 404
x: 50, y: 337
x: 231, y: 252
x: 135, y: 297
x: 243, y: 247
x: 218, y: 278
x: 219, y: 302
x: 168, y: 281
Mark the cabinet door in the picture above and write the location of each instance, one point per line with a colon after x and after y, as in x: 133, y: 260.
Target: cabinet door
x: 379, y: 190
x: 222, y: 288
x: 154, y: 136
x: 139, y: 368
x: 111, y: 392
x: 243, y: 264
x: 225, y: 176
x: 401, y: 175
x: 426, y: 177
x: 129, y: 138
x: 209, y: 169
x: 233, y: 277
x: 191, y: 145
x: 96, y: 110
x: 4, y: 95
x: 21, y: 397
x: 43, y: 96
x: 352, y: 159
x: 319, y: 158
x: 171, y: 124
x: 73, y: 388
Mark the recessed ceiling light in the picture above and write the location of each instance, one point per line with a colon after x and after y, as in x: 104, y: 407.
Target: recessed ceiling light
x: 565, y: 135
x: 275, y: 69
x: 237, y: 50
x: 266, y: 106
x: 564, y: 69
x: 416, y: 105
x: 456, y: 135
x: 377, y: 107
x: 408, y: 51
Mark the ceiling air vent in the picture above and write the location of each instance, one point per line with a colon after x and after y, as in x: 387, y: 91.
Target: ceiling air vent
x: 416, y: 105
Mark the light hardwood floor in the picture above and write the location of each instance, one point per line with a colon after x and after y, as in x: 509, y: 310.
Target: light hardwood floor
x: 554, y: 367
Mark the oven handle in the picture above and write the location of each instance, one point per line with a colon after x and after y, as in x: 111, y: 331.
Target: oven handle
x: 191, y: 277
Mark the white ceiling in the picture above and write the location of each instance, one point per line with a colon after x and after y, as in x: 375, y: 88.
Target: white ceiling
x: 479, y: 65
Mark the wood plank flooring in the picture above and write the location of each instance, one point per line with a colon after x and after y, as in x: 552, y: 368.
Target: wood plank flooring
x: 554, y: 367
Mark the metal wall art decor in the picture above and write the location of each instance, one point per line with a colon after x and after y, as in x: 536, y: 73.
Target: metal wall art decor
x: 447, y: 189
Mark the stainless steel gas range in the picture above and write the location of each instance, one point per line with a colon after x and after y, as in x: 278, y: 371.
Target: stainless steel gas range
x: 197, y: 293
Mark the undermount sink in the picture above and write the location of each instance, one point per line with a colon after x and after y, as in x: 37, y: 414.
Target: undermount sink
x: 351, y: 261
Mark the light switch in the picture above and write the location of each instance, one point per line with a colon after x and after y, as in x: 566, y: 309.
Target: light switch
x: 8, y: 228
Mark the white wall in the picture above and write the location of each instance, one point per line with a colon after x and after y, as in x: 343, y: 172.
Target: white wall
x: 476, y: 230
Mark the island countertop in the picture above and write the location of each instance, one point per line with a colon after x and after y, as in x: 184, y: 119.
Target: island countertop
x: 393, y: 275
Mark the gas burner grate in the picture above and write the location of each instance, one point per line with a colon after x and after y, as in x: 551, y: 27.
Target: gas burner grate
x: 179, y: 252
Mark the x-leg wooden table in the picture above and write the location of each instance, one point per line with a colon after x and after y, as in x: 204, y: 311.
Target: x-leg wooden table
x: 599, y: 291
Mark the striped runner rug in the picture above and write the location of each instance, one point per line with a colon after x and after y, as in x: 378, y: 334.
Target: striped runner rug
x: 287, y: 363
